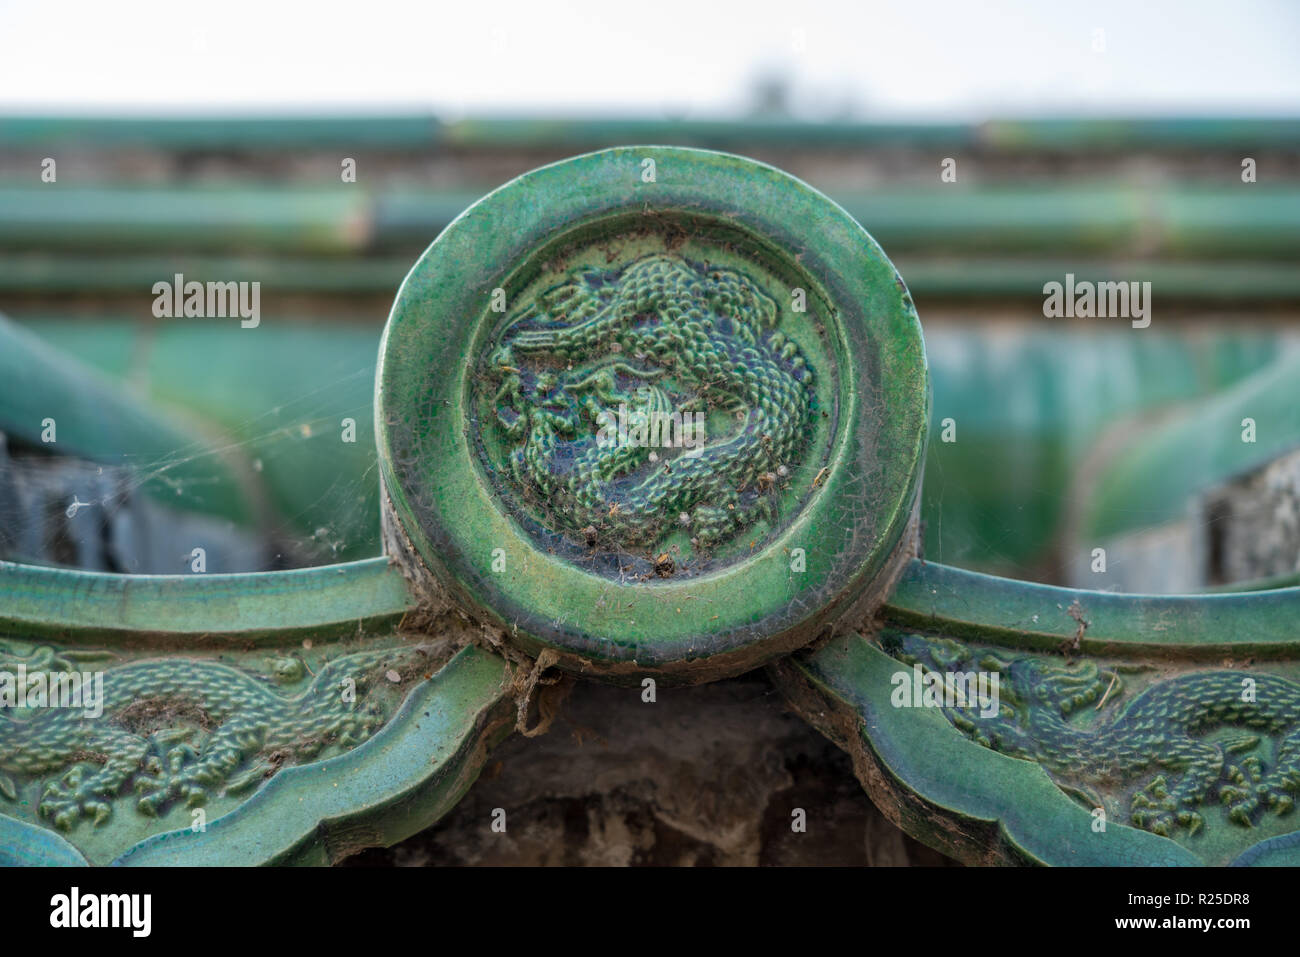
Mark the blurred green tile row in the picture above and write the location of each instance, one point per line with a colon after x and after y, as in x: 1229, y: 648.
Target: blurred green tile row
x: 1177, y: 221
x: 1031, y: 398
x: 929, y: 277
x: 410, y: 132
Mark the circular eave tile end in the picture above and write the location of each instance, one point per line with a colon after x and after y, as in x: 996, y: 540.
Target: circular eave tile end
x: 660, y: 410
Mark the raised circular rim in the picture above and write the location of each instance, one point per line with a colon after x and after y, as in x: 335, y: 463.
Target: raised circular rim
x: 728, y: 620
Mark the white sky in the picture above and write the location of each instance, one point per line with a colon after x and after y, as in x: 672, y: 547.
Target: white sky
x: 689, y: 58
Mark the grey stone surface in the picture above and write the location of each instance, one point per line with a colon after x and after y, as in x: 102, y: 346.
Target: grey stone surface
x: 1254, y: 524
x: 710, y: 775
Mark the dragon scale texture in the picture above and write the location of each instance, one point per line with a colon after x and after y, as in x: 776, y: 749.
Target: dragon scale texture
x: 1162, y: 734
x: 609, y: 337
x: 154, y: 711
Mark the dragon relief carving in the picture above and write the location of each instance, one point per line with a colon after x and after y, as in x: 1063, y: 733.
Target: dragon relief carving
x: 661, y: 335
x: 183, y: 729
x: 1157, y: 744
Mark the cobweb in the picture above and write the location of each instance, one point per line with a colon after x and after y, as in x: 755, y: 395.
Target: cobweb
x: 268, y: 468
